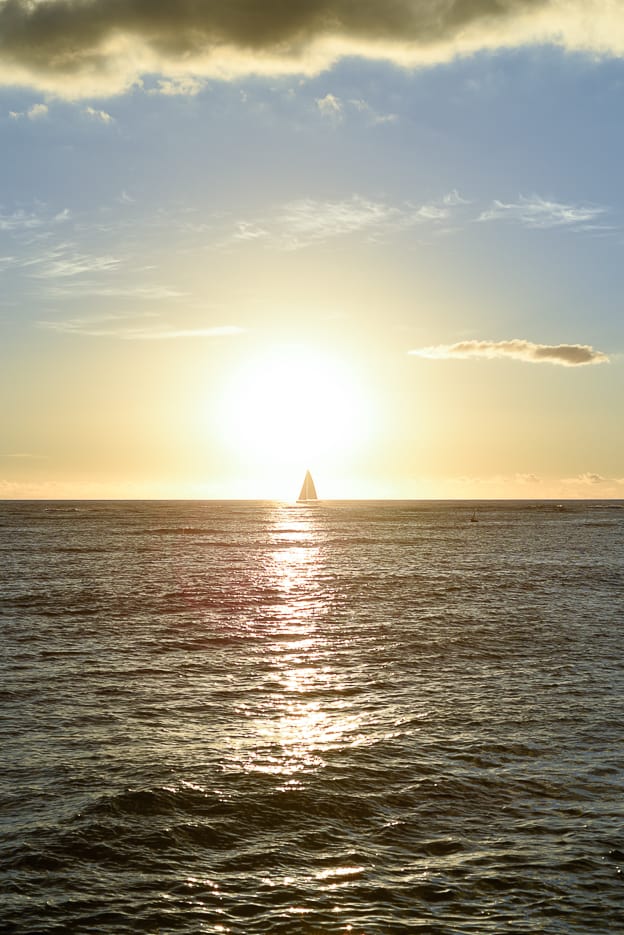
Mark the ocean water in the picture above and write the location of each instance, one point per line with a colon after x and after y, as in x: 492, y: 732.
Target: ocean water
x: 362, y: 718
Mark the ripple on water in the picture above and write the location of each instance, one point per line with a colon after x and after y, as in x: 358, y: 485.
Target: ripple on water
x: 363, y: 718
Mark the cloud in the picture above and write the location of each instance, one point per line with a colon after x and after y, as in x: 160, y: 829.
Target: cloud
x: 309, y: 221
x: 182, y: 85
x: 37, y: 111
x: 536, y: 212
x: 335, y: 109
x: 330, y: 106
x: 452, y: 199
x: 591, y: 479
x: 33, y: 113
x: 112, y: 326
x: 19, y: 220
x: 101, y: 115
x: 528, y: 478
x: 248, y: 232
x: 590, y: 485
x: 363, y: 107
x: 582, y: 484
x: 77, y: 47
x: 87, y: 288
x: 63, y: 261
x: 566, y: 355
x: 302, y: 223
x: 29, y: 225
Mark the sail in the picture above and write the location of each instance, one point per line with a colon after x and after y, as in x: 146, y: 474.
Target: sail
x: 308, y: 490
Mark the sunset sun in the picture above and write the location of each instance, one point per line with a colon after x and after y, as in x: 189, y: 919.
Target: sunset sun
x: 292, y: 407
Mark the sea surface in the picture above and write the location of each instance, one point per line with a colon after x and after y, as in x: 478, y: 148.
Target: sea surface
x: 365, y: 718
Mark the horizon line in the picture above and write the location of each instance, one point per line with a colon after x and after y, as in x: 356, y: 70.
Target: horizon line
x: 320, y: 500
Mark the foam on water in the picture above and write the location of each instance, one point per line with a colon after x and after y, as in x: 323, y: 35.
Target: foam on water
x: 260, y: 718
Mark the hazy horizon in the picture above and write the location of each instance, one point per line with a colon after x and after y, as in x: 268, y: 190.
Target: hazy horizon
x: 292, y: 501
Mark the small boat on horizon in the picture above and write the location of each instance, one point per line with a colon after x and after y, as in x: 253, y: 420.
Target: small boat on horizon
x: 308, y: 490
x: 474, y: 518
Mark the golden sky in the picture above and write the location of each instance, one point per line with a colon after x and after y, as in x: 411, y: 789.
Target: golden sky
x: 379, y: 241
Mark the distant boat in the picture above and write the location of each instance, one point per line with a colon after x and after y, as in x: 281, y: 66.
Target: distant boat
x: 474, y: 518
x: 308, y: 490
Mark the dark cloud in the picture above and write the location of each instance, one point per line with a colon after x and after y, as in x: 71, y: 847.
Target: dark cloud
x: 56, y: 40
x: 567, y: 355
x: 62, y: 33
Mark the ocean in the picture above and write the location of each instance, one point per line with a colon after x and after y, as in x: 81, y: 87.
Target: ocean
x: 360, y: 717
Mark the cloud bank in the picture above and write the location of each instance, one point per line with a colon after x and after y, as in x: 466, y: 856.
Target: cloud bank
x: 78, y: 47
x: 566, y: 355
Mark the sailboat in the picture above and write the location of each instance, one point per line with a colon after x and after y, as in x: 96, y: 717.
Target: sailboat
x: 308, y: 490
x: 474, y: 518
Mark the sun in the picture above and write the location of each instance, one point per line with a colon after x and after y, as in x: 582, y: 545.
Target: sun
x: 294, y: 406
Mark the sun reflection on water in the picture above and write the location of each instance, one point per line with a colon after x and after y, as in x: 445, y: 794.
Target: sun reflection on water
x: 303, y: 715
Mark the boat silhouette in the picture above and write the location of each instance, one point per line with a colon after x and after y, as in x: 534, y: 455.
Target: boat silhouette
x: 308, y: 490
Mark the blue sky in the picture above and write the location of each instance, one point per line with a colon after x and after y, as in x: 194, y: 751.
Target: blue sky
x: 411, y: 221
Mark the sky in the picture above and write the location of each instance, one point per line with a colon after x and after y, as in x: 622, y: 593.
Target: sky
x: 383, y: 241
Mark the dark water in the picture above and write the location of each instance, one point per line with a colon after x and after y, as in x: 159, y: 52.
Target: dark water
x: 258, y: 718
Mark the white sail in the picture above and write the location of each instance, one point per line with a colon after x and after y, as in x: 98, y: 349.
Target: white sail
x: 308, y: 490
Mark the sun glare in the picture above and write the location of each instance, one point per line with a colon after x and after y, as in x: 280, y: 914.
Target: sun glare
x: 294, y: 407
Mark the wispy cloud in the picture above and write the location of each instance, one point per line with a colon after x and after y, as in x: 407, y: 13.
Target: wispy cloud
x: 590, y: 479
x: 334, y: 108
x: 373, y: 116
x: 186, y: 85
x: 528, y: 478
x: 307, y: 221
x: 330, y: 106
x: 590, y: 483
x: 566, y: 355
x: 20, y: 220
x: 100, y: 115
x: 540, y: 213
x: 453, y: 199
x: 76, y: 48
x: 60, y: 263
x: 77, y: 265
x: 118, y: 327
x: 247, y: 231
x: 146, y: 293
